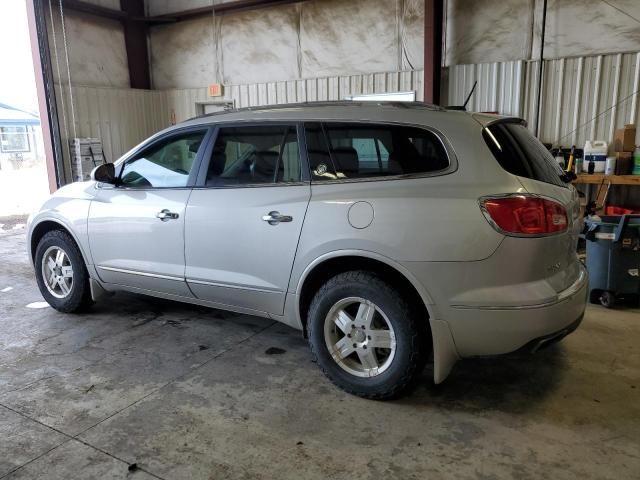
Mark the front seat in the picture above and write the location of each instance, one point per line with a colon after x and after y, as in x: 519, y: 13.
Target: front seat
x: 264, y: 166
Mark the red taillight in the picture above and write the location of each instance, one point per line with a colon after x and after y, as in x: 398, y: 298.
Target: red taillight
x: 525, y: 214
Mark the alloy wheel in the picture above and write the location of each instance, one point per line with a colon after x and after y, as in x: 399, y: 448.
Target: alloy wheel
x: 57, y: 272
x: 359, y: 337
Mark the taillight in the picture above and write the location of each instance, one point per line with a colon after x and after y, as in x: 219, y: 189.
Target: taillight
x: 525, y: 214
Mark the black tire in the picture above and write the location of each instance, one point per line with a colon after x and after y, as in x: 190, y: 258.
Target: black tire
x: 608, y: 299
x: 79, y: 297
x: 594, y: 296
x: 412, y: 341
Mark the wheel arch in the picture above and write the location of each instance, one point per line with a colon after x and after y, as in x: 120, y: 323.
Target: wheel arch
x: 44, y: 226
x: 444, y: 351
x: 331, y: 264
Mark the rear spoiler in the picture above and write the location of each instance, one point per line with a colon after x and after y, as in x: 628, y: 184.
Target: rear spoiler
x: 486, y: 120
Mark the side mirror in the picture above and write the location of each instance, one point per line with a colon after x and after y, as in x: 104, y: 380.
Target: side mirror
x: 105, y: 173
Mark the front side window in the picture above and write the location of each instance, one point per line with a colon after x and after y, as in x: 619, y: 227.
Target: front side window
x: 250, y: 155
x: 362, y: 150
x: 166, y: 163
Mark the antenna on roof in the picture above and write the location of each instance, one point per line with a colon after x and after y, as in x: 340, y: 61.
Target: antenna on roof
x: 464, y: 106
x: 473, y: 89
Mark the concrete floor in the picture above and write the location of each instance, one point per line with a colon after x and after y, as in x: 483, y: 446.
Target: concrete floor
x: 186, y: 392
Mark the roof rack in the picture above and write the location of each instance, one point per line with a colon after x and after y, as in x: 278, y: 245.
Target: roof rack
x: 324, y: 103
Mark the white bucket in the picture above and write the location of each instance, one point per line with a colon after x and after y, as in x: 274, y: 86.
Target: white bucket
x: 595, y: 151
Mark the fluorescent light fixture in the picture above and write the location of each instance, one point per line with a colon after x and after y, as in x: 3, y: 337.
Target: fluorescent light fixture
x: 384, y: 97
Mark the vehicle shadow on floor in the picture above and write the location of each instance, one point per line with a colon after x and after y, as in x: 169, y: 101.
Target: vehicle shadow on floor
x: 513, y: 383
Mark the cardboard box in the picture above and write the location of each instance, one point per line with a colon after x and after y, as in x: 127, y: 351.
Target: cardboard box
x: 625, y: 139
x: 624, y: 163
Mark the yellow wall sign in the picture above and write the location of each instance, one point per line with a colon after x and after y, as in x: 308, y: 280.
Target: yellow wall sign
x: 215, y: 90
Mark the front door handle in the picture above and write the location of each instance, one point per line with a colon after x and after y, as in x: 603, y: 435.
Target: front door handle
x: 165, y: 215
x: 274, y: 218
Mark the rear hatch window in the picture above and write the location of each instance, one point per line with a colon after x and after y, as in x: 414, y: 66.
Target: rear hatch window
x: 522, y: 154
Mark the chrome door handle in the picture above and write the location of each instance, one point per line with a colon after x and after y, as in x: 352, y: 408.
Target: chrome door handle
x: 274, y: 218
x: 165, y: 215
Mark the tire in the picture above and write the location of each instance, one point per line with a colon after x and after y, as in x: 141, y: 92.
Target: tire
x: 608, y: 299
x: 594, y: 296
x: 394, y: 371
x: 75, y: 295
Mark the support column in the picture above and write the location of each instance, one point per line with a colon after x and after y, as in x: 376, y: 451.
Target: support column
x: 135, y: 40
x: 36, y: 19
x: 433, y: 13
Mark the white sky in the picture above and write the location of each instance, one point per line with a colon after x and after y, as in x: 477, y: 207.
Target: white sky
x: 17, y: 84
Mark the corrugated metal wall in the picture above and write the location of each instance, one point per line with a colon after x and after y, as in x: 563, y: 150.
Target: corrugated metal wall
x: 183, y: 101
x: 120, y: 117
x: 583, y: 98
x: 499, y: 87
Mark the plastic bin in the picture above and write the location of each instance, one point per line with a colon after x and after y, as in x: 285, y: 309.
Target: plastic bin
x: 613, y: 258
x: 613, y: 210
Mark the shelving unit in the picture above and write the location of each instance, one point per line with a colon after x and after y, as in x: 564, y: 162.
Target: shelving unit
x: 598, y: 178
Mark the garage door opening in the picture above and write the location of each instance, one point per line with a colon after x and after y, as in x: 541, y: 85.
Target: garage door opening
x: 23, y: 172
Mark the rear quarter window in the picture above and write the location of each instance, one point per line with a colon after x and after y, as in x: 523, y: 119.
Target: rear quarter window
x: 355, y: 150
x: 520, y: 153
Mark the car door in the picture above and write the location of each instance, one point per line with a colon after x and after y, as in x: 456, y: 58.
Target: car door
x: 136, y: 227
x: 245, y: 215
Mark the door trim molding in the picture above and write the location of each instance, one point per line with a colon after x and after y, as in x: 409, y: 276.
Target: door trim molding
x: 142, y: 274
x: 238, y: 287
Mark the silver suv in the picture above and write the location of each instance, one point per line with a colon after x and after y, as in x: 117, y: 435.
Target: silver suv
x: 386, y: 233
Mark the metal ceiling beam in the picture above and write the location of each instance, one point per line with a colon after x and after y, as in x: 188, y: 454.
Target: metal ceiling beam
x: 219, y: 9
x: 91, y: 9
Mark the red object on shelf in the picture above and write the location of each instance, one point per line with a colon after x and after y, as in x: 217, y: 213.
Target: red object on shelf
x: 613, y: 210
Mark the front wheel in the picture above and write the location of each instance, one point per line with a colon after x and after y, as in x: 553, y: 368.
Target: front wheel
x: 61, y: 273
x: 608, y: 299
x: 365, y: 336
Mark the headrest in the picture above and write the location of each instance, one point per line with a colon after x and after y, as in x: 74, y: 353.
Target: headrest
x: 265, y: 163
x: 346, y: 160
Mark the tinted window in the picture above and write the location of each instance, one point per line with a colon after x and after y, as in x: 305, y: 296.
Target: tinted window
x: 318, y: 153
x: 361, y: 150
x: 166, y: 163
x: 522, y: 154
x: 254, y: 155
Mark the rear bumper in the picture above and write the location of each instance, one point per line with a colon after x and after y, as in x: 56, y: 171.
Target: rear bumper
x: 548, y: 340
x: 496, y: 330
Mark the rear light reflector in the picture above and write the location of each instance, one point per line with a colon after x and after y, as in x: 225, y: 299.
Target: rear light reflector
x: 525, y: 215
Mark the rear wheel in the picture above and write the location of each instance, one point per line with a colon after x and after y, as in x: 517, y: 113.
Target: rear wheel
x: 61, y: 273
x: 365, y: 336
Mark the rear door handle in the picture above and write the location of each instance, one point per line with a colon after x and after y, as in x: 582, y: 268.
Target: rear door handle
x: 274, y: 218
x: 165, y: 215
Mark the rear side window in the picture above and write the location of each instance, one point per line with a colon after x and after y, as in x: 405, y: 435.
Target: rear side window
x: 522, y: 154
x: 250, y: 155
x: 363, y: 150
